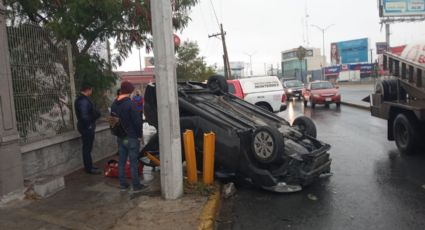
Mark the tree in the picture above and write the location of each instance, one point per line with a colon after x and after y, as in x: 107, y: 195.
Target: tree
x: 190, y: 66
x: 86, y: 23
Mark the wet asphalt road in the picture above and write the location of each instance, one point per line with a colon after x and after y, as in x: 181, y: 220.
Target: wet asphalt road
x: 373, y: 186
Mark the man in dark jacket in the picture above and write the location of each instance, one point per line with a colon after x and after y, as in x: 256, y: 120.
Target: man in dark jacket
x: 129, y: 146
x: 87, y: 115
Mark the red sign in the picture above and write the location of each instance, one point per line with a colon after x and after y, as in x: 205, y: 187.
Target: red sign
x: 176, y: 40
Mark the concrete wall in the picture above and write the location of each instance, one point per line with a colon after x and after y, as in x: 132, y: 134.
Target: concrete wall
x: 62, y: 154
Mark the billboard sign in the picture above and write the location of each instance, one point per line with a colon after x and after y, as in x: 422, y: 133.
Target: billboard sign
x: 399, y: 8
x: 353, y: 51
x: 332, y: 70
x: 381, y: 47
x: 293, y: 54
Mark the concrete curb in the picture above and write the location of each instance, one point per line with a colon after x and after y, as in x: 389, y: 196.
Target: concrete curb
x: 356, y: 105
x: 207, y: 217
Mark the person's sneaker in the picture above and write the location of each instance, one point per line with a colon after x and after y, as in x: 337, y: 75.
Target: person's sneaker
x: 95, y: 171
x: 124, y: 188
x: 141, y: 188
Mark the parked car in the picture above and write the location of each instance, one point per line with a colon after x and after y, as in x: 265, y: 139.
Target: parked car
x: 265, y: 92
x: 321, y: 92
x: 252, y: 144
x: 293, y: 88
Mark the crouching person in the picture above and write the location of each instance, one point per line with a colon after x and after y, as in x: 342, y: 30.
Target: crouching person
x: 129, y: 144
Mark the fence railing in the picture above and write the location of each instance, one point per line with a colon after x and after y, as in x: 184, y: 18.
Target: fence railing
x: 41, y: 82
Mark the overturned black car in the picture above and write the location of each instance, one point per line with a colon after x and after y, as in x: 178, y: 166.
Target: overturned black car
x: 251, y: 143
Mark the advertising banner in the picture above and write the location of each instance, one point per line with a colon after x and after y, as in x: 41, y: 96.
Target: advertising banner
x: 332, y: 70
x: 353, y: 51
x: 381, y: 47
x: 399, y: 8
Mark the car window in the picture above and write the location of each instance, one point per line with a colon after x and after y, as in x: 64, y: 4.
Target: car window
x: 321, y: 85
x: 231, y: 88
x: 291, y: 84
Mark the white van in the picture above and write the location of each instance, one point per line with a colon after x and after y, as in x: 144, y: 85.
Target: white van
x: 266, y: 92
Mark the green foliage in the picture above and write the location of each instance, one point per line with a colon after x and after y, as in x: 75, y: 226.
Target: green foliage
x: 92, y: 69
x: 86, y: 24
x: 190, y: 66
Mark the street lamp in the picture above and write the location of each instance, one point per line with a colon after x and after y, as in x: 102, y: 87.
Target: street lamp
x: 323, y: 30
x: 250, y: 61
x: 323, y: 40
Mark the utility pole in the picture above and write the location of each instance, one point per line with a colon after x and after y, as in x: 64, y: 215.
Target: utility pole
x: 227, y: 70
x: 168, y: 109
x: 387, y: 36
x: 140, y: 61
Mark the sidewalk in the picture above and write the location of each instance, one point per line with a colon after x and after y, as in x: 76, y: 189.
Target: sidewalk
x: 95, y: 202
x: 352, y: 94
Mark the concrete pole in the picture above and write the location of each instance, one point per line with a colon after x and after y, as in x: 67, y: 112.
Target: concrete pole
x: 11, y: 175
x: 387, y: 36
x: 167, y: 100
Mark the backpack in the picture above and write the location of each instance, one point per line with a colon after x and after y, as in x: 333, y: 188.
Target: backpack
x: 115, y: 126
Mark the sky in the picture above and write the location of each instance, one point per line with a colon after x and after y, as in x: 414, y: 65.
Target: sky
x: 263, y: 29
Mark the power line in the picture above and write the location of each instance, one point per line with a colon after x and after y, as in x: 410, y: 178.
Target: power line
x: 216, y: 18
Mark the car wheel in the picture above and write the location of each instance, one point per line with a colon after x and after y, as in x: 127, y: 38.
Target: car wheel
x: 267, y: 145
x: 264, y: 106
x: 217, y: 84
x: 306, y: 126
x: 405, y: 133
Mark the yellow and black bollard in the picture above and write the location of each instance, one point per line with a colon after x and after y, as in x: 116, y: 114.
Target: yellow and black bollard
x: 189, y: 152
x: 209, y: 149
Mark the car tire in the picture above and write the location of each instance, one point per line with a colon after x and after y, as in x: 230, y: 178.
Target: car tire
x: 267, y: 145
x: 217, y: 84
x: 305, y: 125
x: 406, y: 133
x: 264, y: 106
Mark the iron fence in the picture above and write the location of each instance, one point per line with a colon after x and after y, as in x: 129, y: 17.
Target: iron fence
x: 41, y: 82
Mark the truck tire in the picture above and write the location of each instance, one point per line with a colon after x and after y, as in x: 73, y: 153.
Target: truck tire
x: 406, y: 134
x: 267, y: 145
x: 388, y: 90
x: 217, y: 84
x: 306, y: 126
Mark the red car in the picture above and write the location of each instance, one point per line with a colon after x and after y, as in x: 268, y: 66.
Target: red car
x: 321, y: 92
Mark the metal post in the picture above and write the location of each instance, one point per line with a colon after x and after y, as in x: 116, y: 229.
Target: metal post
x: 387, y: 36
x: 168, y: 109
x: 11, y: 172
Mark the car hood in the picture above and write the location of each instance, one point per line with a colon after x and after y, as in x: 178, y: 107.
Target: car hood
x: 325, y: 91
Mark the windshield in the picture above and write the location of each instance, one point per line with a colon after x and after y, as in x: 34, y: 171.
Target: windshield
x: 322, y: 85
x: 291, y: 84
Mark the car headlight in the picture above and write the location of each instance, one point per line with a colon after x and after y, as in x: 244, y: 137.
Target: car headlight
x: 289, y: 90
